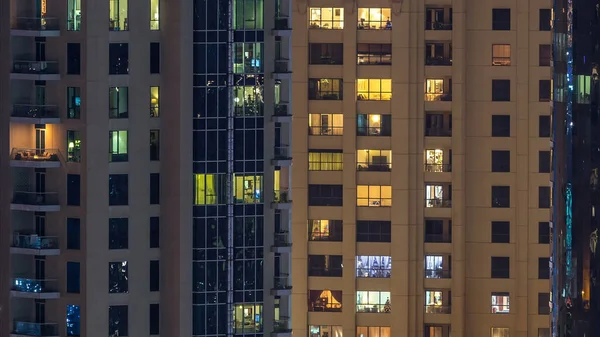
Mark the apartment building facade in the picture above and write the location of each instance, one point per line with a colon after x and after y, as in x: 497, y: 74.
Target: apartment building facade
x: 421, y: 173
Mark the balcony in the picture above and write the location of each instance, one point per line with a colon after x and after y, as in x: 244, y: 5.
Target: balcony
x: 437, y: 168
x: 438, y: 61
x: 434, y: 25
x: 282, y: 26
x: 38, y: 27
x: 35, y: 114
x: 35, y: 158
x: 437, y: 274
x: 438, y: 203
x: 282, y: 69
x: 33, y: 244
x: 282, y: 286
x: 438, y: 238
x: 282, y: 156
x: 36, y: 289
x: 35, y: 70
x: 281, y: 327
x: 35, y: 202
x: 438, y: 97
x: 438, y: 132
x: 281, y: 200
x: 23, y: 328
x: 282, y: 113
x: 437, y: 309
x: 281, y: 242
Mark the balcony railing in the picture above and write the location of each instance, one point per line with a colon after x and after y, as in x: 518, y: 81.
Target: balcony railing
x: 282, y: 282
x: 437, y: 309
x: 373, y: 167
x: 438, y: 61
x: 281, y: 66
x: 281, y: 109
x: 27, y: 285
x: 438, y: 238
x: 281, y: 239
x: 35, y: 155
x: 35, y: 67
x: 35, y: 329
x: 438, y: 273
x: 374, y: 308
x: 282, y: 325
x: 24, y: 23
x: 326, y: 95
x: 35, y: 111
x: 35, y: 198
x: 282, y: 196
x: 438, y: 26
x: 34, y: 242
x: 438, y: 203
x: 438, y: 97
x: 438, y: 132
x: 372, y: 131
x: 282, y: 152
x: 325, y: 130
x: 438, y: 168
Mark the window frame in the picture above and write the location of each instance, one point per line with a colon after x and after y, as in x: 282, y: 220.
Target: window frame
x: 316, y: 91
x: 370, y: 268
x: 328, y: 160
x: 501, y: 59
x: 501, y: 90
x: 118, y: 233
x: 373, y: 201
x: 500, y: 164
x: 366, y: 54
x: 325, y: 230
x: 370, y: 165
x: 500, y: 272
x: 500, y: 235
x: 498, y: 305
x: 366, y: 21
x: 370, y: 129
x: 115, y: 96
x: 316, y: 21
x: 374, y: 89
x: 380, y: 306
x: 501, y: 23
x: 373, y: 231
x: 115, y: 155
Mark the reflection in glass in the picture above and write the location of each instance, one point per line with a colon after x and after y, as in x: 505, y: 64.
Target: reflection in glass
x: 118, y: 278
x: 374, y: 266
x: 373, y: 301
x: 73, y: 320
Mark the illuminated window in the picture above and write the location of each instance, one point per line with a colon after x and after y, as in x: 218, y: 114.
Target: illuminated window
x: 118, y: 102
x: 154, y: 15
x: 500, y: 332
x: 326, y: 124
x: 325, y: 161
x: 373, y: 331
x: 325, y: 230
x: 434, y: 303
x: 248, y: 100
x: 73, y: 102
x: 117, y: 146
x: 248, y: 14
x: 434, y: 196
x: 500, y: 54
x: 582, y: 89
x: 434, y: 90
x: 154, y: 102
x: 325, y: 88
x: 500, y: 303
x: 73, y: 146
x: 248, y: 189
x: 434, y: 267
x: 326, y: 18
x: 373, y: 301
x: 247, y: 318
x: 374, y: 266
x: 74, y: 15
x: 206, y: 189
x: 434, y: 161
x: 327, y: 331
x: 325, y: 300
x: 374, y: 18
x: 373, y: 125
x: 247, y: 58
x: 118, y: 13
x: 373, y: 195
x: 374, y: 89
x: 373, y: 160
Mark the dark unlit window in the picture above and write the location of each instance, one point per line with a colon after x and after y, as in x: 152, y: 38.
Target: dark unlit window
x: 154, y: 58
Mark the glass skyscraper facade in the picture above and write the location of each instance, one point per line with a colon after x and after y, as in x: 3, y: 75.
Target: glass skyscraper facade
x: 575, y: 262
x: 241, y: 167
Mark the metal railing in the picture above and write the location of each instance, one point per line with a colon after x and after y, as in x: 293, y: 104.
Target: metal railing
x: 25, y: 23
x: 251, y: 109
x: 438, y: 168
x: 35, y: 155
x: 438, y: 238
x: 437, y: 309
x: 373, y: 167
x: 27, y: 285
x: 438, y: 61
x: 438, y: 203
x: 281, y: 239
x: 35, y: 329
x: 282, y: 282
x: 33, y: 241
x: 35, y: 111
x: 35, y: 67
x: 325, y: 130
x: 282, y: 152
x: 35, y: 198
x: 438, y: 132
x: 438, y: 26
x: 374, y: 308
x: 438, y: 273
x: 281, y: 196
x: 429, y: 97
x: 326, y: 95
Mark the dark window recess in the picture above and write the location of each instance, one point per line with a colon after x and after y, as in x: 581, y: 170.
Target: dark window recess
x: 118, y: 59
x: 326, y: 53
x: 118, y: 277
x: 332, y: 230
x: 154, y: 58
x: 544, y: 126
x: 501, y: 90
x: 118, y: 320
x: 373, y: 231
x: 325, y: 89
x: 543, y: 303
x: 544, y: 197
x: 73, y: 233
x: 544, y: 162
x: 154, y: 232
x: 500, y: 232
x: 154, y: 275
x: 501, y: 196
x: 500, y: 161
x: 73, y: 189
x: 154, y: 188
x: 544, y: 93
x: 545, y: 19
x: 500, y: 125
x: 118, y: 190
x: 545, y: 55
x: 501, y: 19
x: 500, y: 267
x: 73, y: 58
x: 373, y: 53
x: 118, y: 233
x: 325, y: 265
x: 325, y: 195
x: 73, y: 277
x: 154, y: 320
x: 544, y: 268
x: 434, y: 231
x: 544, y: 232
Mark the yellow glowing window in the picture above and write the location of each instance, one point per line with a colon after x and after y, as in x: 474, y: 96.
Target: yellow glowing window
x: 376, y: 331
x: 154, y: 101
x: 326, y: 124
x: 501, y: 54
x: 373, y: 196
x: 325, y: 161
x: 374, y: 160
x: 154, y: 15
x: 205, y: 189
x: 326, y: 18
x: 374, y: 18
x: 434, y: 90
x: 374, y: 89
x: 248, y: 189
